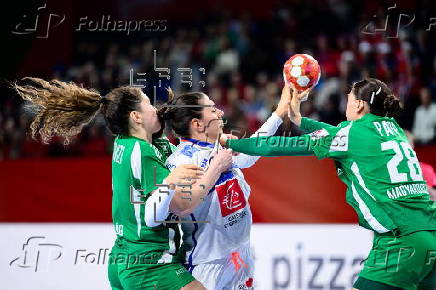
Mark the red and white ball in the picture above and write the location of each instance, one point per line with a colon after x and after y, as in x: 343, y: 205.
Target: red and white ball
x: 302, y: 70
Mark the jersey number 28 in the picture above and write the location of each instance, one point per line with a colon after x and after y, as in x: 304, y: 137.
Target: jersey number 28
x: 402, y: 149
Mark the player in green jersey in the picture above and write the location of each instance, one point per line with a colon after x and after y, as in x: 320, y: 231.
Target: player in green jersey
x: 384, y: 182
x: 145, y: 254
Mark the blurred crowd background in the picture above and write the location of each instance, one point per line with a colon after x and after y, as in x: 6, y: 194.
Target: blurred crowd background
x: 243, y: 57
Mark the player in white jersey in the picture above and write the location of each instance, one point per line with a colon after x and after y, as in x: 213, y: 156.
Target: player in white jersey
x: 216, y: 231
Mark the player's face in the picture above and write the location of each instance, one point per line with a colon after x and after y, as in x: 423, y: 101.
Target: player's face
x: 148, y: 116
x: 211, y: 119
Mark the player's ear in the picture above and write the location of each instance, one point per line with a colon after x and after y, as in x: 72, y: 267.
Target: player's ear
x: 196, y: 124
x: 360, y: 106
x: 135, y: 116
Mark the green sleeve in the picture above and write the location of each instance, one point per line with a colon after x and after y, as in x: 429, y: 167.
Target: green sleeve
x: 273, y: 146
x: 309, y: 125
x: 332, y: 142
x: 153, y: 171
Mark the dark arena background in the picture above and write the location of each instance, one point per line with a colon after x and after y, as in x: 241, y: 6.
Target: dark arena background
x: 55, y: 200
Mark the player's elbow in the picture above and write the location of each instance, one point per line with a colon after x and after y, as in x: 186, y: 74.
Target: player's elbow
x: 150, y: 220
x: 185, y: 213
x: 184, y: 210
x: 183, y: 206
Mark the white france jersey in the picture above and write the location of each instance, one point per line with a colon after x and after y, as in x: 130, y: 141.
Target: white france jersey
x: 223, y: 219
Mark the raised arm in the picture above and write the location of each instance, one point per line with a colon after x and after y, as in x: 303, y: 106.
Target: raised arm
x: 305, y: 124
x: 268, y: 128
x: 309, y: 125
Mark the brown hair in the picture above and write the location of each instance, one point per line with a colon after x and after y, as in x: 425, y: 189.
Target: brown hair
x: 381, y: 100
x: 63, y: 109
x: 180, y: 110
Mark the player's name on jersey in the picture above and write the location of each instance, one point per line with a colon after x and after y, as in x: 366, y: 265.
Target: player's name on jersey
x: 386, y: 128
x: 407, y: 189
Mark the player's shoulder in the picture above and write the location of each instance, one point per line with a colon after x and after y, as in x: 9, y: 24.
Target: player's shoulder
x: 332, y: 131
x: 147, y: 150
x: 132, y: 144
x: 185, y: 153
x: 344, y: 124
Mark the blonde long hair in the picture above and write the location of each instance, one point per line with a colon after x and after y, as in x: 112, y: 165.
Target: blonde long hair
x: 63, y: 109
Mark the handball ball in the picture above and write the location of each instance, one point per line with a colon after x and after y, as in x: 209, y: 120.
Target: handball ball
x: 302, y: 70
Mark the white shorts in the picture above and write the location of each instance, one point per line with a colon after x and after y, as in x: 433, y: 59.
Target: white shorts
x: 234, y: 272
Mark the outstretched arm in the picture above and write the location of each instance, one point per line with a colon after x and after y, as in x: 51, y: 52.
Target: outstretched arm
x: 273, y: 146
x: 268, y: 128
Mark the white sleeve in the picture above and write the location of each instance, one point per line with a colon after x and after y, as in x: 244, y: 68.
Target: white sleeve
x: 268, y: 128
x: 157, y: 206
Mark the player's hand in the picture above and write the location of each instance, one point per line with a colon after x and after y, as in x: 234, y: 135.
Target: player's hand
x: 184, y: 174
x: 222, y: 160
x: 225, y: 137
x: 299, y: 95
x: 284, y: 103
x: 296, y: 98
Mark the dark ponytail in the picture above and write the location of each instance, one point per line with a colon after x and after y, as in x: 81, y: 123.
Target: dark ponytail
x: 178, y: 111
x: 392, y: 106
x: 382, y: 102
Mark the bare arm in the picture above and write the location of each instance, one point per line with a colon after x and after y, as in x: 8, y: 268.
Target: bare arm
x: 187, y: 198
x: 157, y: 204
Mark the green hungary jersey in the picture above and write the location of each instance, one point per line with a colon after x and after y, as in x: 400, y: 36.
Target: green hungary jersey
x: 373, y: 158
x: 137, y: 168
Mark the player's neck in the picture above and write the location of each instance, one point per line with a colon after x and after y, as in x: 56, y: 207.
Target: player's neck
x: 203, y: 138
x: 142, y: 134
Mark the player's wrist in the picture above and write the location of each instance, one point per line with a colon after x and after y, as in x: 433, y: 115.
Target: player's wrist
x: 297, y: 120
x: 281, y: 113
x: 215, y: 168
x: 276, y: 119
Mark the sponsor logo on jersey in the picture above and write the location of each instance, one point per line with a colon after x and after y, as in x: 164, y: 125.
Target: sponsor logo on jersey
x: 319, y: 134
x: 235, y: 218
x: 231, y: 196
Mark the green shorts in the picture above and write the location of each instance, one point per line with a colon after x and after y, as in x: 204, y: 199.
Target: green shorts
x: 407, y: 262
x: 127, y: 272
